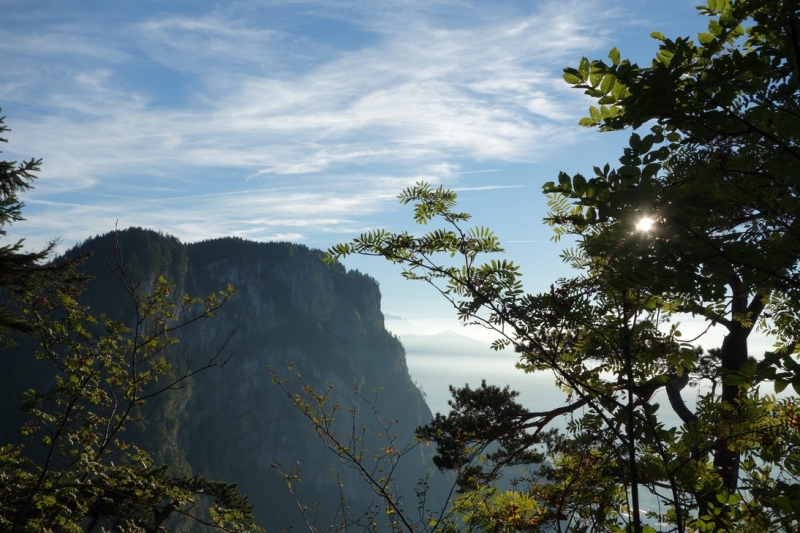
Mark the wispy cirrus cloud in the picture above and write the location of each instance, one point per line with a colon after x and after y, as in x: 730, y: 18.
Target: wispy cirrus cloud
x: 175, y: 120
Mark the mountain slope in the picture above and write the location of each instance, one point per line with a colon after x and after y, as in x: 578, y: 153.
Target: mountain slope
x: 232, y: 423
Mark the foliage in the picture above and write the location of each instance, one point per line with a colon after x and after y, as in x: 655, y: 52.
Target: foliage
x: 72, y: 466
x: 75, y: 471
x: 20, y: 270
x: 717, y: 175
x: 339, y: 422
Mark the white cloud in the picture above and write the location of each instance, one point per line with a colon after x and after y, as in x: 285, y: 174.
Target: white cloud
x: 487, y: 188
x: 425, y: 95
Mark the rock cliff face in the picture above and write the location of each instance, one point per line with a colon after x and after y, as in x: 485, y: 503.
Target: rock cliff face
x: 327, y: 321
x: 232, y: 423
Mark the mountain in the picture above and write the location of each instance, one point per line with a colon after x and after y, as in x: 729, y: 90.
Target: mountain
x: 232, y: 423
x: 446, y: 343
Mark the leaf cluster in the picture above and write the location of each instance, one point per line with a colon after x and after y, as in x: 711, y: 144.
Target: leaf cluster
x: 74, y: 464
x: 73, y: 469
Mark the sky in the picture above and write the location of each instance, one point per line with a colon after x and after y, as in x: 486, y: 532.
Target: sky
x: 302, y: 121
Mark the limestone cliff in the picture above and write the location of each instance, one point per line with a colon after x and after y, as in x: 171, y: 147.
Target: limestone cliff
x: 326, y: 320
x: 232, y: 423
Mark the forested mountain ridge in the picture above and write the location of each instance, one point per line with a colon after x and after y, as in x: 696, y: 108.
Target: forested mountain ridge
x: 232, y: 423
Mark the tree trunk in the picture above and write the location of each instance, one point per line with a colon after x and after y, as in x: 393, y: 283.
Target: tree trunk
x: 732, y: 356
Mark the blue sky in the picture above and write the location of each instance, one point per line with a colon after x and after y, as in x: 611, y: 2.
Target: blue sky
x: 301, y: 121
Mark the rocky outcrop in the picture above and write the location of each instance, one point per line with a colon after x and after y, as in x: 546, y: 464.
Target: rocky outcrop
x: 231, y: 424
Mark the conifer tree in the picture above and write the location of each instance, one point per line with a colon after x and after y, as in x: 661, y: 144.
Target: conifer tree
x: 23, y: 271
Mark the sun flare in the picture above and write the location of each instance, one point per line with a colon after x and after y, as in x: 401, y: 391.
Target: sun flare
x: 645, y: 224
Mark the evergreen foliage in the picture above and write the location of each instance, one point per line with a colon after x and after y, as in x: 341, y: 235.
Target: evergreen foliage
x: 23, y: 271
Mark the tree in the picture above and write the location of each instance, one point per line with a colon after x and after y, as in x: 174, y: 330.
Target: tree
x: 20, y: 270
x: 338, y: 418
x: 75, y: 471
x: 715, y: 183
x: 70, y: 467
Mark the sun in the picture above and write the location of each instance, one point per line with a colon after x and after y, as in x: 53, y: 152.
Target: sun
x: 645, y: 224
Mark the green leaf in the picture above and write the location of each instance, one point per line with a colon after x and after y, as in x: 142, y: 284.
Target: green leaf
x: 579, y: 184
x: 658, y: 35
x: 613, y: 55
x: 595, y: 114
x: 768, y: 373
x: 572, y: 79
x: 646, y: 144
x: 583, y: 68
x: 631, y: 171
x: 726, y: 18
x: 734, y: 379
x: 705, y: 38
x: 565, y: 181
x: 608, y: 83
x: 619, y: 91
x: 650, y: 170
x: 780, y: 385
x: 635, y: 142
x: 665, y: 57
x: 784, y: 503
x: 749, y: 367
